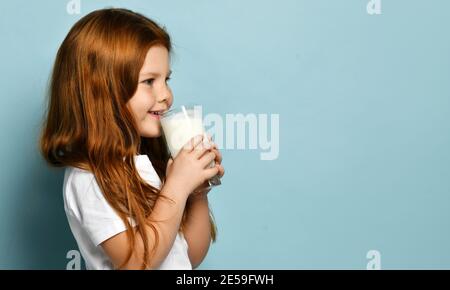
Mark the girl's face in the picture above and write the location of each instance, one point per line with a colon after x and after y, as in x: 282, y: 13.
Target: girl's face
x: 153, y: 94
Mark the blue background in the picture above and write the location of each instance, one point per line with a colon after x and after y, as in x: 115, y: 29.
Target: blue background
x: 364, y: 103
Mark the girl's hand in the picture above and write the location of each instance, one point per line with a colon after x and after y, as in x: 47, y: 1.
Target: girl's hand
x: 218, y: 159
x: 218, y: 162
x: 190, y: 168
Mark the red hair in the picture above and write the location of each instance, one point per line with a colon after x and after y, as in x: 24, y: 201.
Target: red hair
x: 88, y: 124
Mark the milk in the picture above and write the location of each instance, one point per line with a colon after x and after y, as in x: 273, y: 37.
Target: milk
x: 179, y: 129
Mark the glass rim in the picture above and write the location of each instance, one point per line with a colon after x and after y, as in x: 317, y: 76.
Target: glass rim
x: 178, y: 109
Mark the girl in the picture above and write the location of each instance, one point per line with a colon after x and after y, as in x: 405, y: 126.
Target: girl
x: 128, y: 204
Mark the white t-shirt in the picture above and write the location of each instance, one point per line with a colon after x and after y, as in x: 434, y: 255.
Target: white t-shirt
x: 92, y: 220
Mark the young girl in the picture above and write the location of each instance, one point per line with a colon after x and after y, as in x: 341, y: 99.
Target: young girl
x: 128, y: 204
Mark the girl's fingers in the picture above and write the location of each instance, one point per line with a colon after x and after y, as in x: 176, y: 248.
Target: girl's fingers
x: 207, y: 158
x: 209, y: 137
x: 211, y: 172
x: 218, y: 155
x: 194, y: 142
x: 221, y: 170
x: 200, y: 149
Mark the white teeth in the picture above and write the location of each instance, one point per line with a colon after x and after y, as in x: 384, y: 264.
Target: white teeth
x: 159, y: 113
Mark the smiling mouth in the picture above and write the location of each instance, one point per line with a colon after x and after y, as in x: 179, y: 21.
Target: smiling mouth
x: 156, y: 113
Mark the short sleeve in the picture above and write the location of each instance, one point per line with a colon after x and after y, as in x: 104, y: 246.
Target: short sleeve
x: 86, y: 202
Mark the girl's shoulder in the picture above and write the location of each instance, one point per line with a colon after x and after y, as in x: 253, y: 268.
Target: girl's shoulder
x: 79, y: 187
x: 77, y: 177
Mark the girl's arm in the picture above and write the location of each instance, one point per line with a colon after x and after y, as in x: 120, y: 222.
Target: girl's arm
x: 184, y: 174
x: 197, y: 228
x: 170, y: 215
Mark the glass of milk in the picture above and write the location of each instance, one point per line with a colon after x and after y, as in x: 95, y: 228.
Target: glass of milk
x: 180, y: 125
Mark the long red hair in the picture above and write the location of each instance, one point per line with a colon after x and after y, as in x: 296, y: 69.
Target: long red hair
x: 87, y: 122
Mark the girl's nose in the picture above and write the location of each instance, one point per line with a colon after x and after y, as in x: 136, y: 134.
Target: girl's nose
x: 164, y: 96
x: 163, y: 99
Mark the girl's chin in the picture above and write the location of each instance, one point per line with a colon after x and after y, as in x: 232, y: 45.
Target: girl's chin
x: 150, y: 128
x: 151, y: 133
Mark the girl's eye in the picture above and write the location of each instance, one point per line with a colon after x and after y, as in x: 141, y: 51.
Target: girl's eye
x: 149, y: 81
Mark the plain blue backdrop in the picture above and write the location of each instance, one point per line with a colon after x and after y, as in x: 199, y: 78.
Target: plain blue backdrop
x: 363, y: 100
